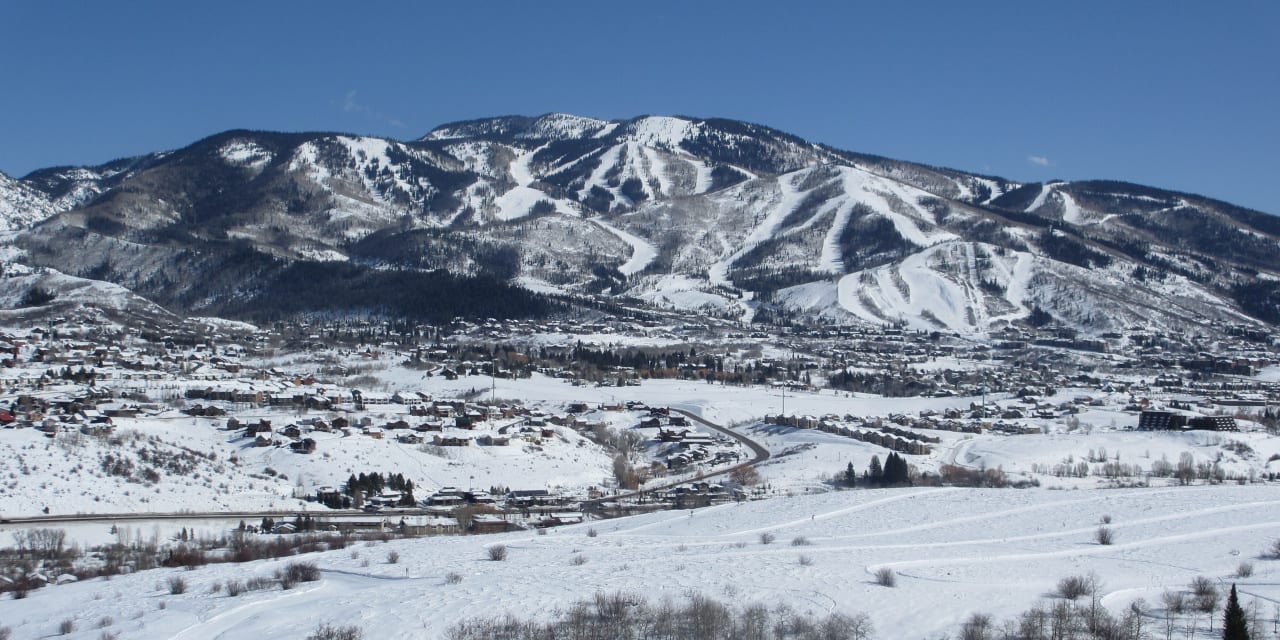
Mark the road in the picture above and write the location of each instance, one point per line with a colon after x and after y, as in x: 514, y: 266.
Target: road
x: 251, y: 516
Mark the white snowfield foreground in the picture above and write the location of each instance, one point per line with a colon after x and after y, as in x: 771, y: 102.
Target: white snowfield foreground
x: 954, y: 552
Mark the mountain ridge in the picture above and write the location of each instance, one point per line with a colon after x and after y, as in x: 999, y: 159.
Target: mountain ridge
x: 703, y: 214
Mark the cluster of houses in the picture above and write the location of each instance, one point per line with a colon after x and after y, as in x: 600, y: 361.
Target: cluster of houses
x: 687, y: 448
x: 890, y: 438
x: 55, y: 414
x: 697, y: 494
x: 451, y: 510
x: 1152, y: 420
x: 681, y: 446
x: 428, y: 422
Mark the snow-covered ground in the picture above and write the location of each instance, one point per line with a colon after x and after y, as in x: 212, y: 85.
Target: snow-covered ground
x: 954, y: 552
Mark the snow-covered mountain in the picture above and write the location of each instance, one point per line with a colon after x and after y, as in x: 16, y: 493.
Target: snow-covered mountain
x: 712, y: 215
x: 22, y: 205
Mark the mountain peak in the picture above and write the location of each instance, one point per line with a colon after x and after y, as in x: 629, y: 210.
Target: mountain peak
x: 546, y: 126
x: 660, y: 131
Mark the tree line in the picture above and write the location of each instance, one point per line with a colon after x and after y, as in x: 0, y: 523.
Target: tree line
x: 893, y: 473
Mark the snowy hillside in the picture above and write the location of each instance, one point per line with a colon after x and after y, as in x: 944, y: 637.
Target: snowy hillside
x: 700, y: 214
x: 22, y: 206
x: 34, y: 296
x: 172, y: 462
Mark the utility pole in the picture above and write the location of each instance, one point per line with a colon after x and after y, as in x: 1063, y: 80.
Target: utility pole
x: 493, y: 386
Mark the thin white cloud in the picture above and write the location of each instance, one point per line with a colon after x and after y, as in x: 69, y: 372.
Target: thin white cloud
x: 1039, y: 161
x: 351, y: 105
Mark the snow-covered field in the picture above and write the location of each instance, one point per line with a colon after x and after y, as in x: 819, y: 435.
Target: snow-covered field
x: 954, y: 552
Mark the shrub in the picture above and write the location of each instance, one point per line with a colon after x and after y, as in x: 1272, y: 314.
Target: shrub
x: 1174, y: 601
x: 1245, y: 570
x: 767, y: 538
x: 543, y: 531
x: 885, y: 577
x: 452, y: 578
x: 579, y: 560
x: 393, y: 557
x: 66, y: 626
x: 301, y: 572
x: 1273, y: 553
x: 1105, y: 535
x: 800, y: 541
x: 977, y: 627
x: 623, y: 615
x: 327, y: 631
x: 591, y: 532
x: 805, y: 560
x: 1106, y: 519
x: 177, y: 585
x: 1202, y: 587
x: 105, y: 622
x: 1207, y: 603
x: 37, y: 296
x: 234, y: 588
x: 498, y: 552
x: 5, y: 633
x: 1072, y: 587
x: 186, y: 556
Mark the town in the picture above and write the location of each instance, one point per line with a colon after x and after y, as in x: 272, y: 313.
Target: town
x: 314, y: 389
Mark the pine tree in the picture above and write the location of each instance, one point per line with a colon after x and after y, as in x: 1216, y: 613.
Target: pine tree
x: 850, y: 476
x: 875, y: 473
x: 1235, y: 625
x: 895, y: 470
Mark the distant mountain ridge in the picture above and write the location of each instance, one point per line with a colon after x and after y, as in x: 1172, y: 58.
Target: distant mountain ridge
x: 709, y: 215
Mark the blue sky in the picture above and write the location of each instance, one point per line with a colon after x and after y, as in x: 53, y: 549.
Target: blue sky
x: 1180, y: 95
